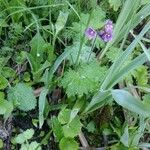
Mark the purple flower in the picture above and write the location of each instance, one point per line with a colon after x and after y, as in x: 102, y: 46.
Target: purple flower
x: 105, y: 36
x: 107, y: 33
x: 90, y: 33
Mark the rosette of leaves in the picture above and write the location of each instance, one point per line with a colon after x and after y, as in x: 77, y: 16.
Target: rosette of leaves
x: 22, y: 96
x: 85, y: 79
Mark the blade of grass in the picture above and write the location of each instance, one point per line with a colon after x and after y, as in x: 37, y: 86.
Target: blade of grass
x: 71, y: 6
x: 122, y: 58
x: 146, y: 51
x: 126, y: 100
x: 131, y: 66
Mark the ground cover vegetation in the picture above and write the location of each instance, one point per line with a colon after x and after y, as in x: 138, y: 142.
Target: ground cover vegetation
x: 74, y: 74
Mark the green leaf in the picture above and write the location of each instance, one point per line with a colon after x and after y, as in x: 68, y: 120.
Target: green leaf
x: 97, y: 18
x: 146, y: 99
x: 57, y: 129
x: 146, y: 51
x: 35, y: 57
x: 64, y: 116
x: 42, y: 100
x: 76, y: 108
x: 140, y: 132
x: 3, y: 82
x: 143, y: 2
x: 6, y: 108
x: 37, y: 44
x: 141, y: 74
x: 23, y: 95
x: 146, y: 145
x: 91, y: 127
x: 115, y: 4
x: 8, y: 72
x: 26, y: 76
x: 85, y: 56
x: 22, y: 137
x: 127, y: 13
x: 68, y: 144
x: 126, y: 100
x: 135, y: 63
x: 59, y: 60
x: 100, y: 99
x: 1, y: 143
x: 28, y: 134
x: 61, y: 21
x: 73, y: 128
x: 33, y: 146
x: 113, y: 53
x: 125, y: 137
x: 119, y: 62
x: 2, y: 107
x: 87, y: 78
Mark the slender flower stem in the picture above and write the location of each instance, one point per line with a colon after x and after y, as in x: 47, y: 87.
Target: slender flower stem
x: 82, y: 41
x: 93, y: 45
x: 101, y: 55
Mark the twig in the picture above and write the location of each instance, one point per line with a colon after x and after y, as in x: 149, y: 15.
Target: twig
x: 83, y: 140
x: 7, y: 141
x: 38, y: 91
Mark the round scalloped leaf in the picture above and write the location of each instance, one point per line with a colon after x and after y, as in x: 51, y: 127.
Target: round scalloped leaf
x: 68, y: 144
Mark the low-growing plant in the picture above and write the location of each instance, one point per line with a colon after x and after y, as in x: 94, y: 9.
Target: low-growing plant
x: 76, y: 73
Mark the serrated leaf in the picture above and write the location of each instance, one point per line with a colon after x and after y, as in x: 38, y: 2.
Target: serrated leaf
x: 68, y: 144
x: 83, y: 81
x: 126, y: 100
x: 23, y: 95
x: 141, y: 74
x: 113, y: 53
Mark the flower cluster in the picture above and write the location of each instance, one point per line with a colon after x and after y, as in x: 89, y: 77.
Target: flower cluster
x: 105, y: 34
